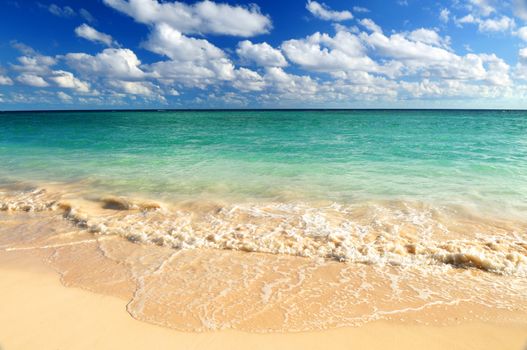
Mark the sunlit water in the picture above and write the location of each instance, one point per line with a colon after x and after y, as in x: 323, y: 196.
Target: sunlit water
x: 476, y: 157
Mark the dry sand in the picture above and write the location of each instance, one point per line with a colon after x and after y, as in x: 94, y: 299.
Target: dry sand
x: 38, y: 312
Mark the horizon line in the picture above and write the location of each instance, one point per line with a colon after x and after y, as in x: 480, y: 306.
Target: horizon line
x: 253, y: 109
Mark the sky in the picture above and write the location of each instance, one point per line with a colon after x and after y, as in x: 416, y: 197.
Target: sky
x: 112, y: 54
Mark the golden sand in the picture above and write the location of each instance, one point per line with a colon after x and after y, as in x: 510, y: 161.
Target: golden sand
x: 213, y: 278
x: 37, y: 312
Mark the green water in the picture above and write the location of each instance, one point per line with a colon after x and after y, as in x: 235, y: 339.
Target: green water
x: 344, y: 156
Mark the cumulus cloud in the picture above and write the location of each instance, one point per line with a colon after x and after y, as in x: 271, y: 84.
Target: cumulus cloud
x: 322, y: 11
x: 134, y: 87
x: 64, y: 96
x: 262, y: 54
x: 521, y: 67
x: 290, y: 86
x: 37, y: 64
x: 31, y: 80
x: 444, y: 15
x: 496, y: 25
x: 248, y: 80
x: 91, y: 34
x: 5, y: 80
x: 428, y: 36
x: 200, y: 18
x: 481, y: 7
x: 370, y: 25
x: 67, y: 80
x: 167, y: 41
x: 112, y: 63
x: 419, y: 54
x: 466, y: 19
x: 523, y: 54
x: 522, y: 33
x: 485, y: 15
x: 428, y: 59
x: 323, y: 53
x: 193, y: 62
x: 190, y: 74
x: 490, y: 24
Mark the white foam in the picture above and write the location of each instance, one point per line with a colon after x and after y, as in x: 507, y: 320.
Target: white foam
x: 394, y: 233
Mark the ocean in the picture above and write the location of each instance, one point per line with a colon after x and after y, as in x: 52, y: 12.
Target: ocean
x: 463, y: 157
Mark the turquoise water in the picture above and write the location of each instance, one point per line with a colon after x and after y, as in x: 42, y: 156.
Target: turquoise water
x: 477, y: 157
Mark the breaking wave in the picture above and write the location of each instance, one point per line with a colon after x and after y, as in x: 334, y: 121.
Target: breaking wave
x: 397, y: 233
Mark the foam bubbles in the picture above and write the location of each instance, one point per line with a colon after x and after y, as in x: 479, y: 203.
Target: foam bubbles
x: 380, y: 233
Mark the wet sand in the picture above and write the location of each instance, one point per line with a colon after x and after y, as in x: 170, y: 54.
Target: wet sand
x: 37, y: 311
x: 83, y: 273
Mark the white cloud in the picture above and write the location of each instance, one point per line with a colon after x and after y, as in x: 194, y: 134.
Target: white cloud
x: 322, y: 11
x: 400, y: 46
x: 37, y: 64
x: 322, y: 53
x: 199, y: 18
x: 64, y: 96
x: 523, y: 54
x: 192, y: 75
x: 36, y: 71
x: 489, y: 24
x: 521, y: 67
x: 444, y: 15
x: 466, y: 19
x: 522, y: 33
x: 428, y: 36
x: 496, y: 25
x: 65, y: 11
x: 193, y: 62
x: 173, y: 92
x: 32, y: 80
x: 91, y: 34
x: 5, y: 80
x: 497, y: 70
x: 262, y: 54
x: 360, y: 9
x: 116, y: 63
x: 370, y: 25
x: 67, y: 80
x: 169, y: 42
x: 430, y: 60
x: 134, y: 87
x: 290, y: 86
x: 481, y: 7
x: 248, y: 80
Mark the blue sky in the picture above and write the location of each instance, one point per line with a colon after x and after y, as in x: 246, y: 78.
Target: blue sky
x: 270, y: 54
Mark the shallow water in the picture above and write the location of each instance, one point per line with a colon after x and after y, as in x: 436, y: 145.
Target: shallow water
x: 465, y: 157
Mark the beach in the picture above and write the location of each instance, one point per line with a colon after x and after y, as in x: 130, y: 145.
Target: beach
x: 285, y: 229
x: 39, y: 312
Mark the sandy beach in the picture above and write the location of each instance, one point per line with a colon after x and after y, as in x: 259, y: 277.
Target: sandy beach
x: 37, y: 311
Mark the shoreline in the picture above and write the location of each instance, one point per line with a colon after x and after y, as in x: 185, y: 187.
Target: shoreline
x: 39, y: 312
